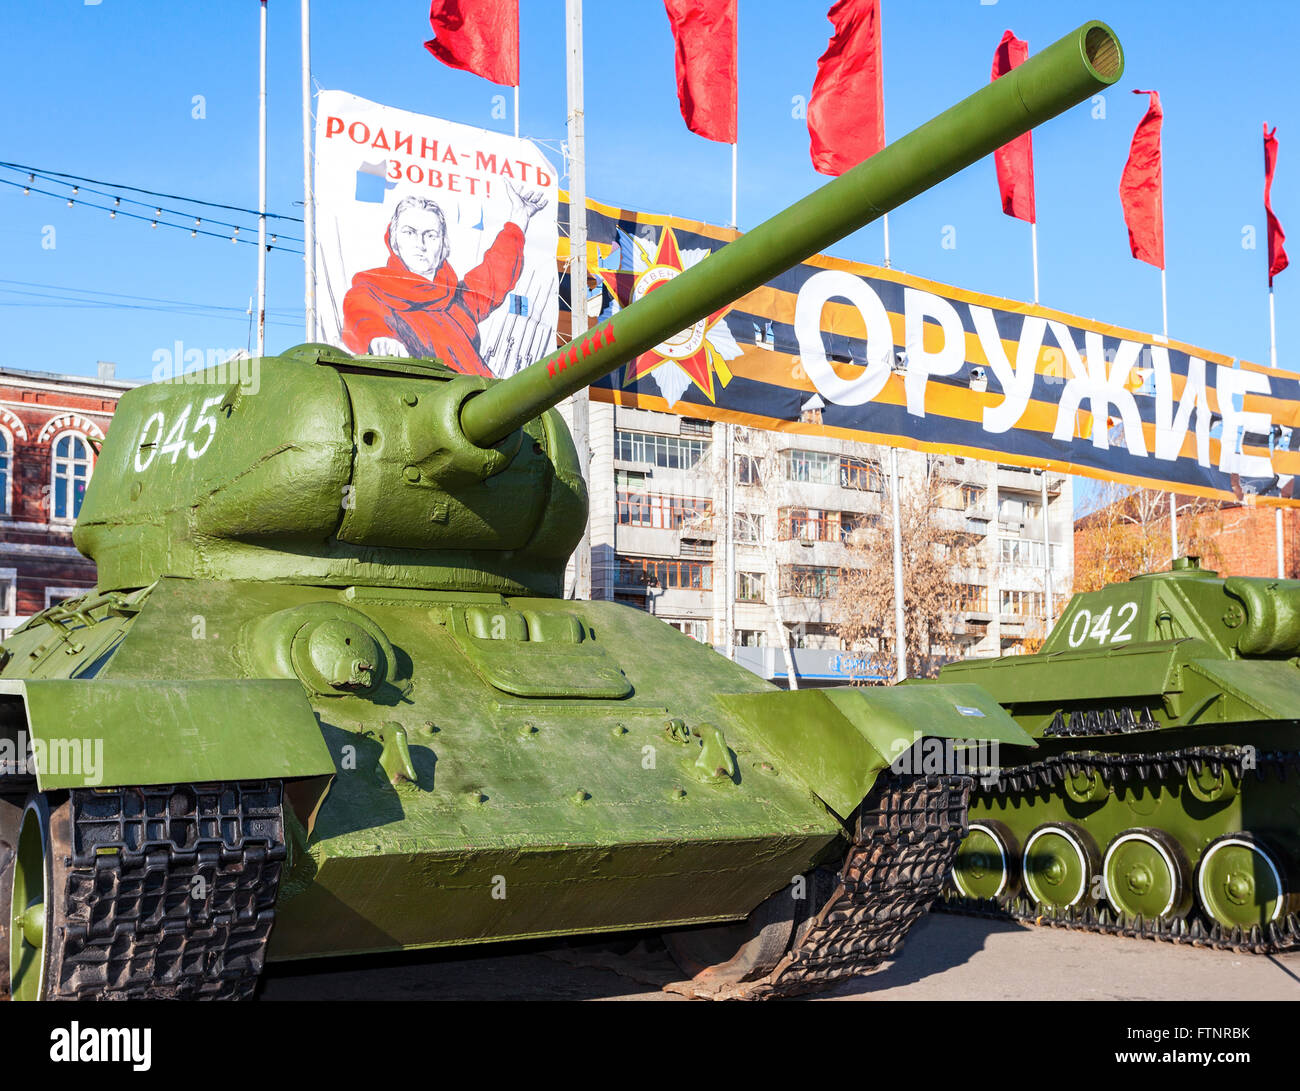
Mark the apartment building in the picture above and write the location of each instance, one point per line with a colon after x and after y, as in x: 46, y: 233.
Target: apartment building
x: 662, y: 487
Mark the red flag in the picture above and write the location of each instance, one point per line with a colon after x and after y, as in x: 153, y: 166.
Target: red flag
x: 1015, y: 161
x: 1141, y: 190
x: 480, y: 36
x: 705, y: 33
x: 846, y: 111
x: 1277, y: 259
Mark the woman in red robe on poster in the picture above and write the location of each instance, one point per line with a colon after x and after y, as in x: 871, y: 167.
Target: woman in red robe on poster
x: 416, y: 304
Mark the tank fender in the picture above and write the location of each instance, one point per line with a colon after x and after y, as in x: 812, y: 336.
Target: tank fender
x: 102, y: 733
x: 836, y: 741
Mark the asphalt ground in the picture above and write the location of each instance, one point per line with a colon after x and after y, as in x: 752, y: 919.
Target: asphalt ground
x: 945, y: 958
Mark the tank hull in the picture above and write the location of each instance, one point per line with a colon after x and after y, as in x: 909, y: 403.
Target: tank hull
x: 1163, y: 798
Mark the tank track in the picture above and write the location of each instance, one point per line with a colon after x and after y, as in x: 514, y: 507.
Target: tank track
x: 1135, y: 769
x: 905, y: 838
x: 170, y: 891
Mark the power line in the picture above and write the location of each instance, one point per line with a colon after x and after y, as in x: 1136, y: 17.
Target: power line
x: 156, y: 221
x: 148, y: 192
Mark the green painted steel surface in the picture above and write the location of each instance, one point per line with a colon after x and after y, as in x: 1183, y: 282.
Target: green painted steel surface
x: 372, y: 550
x: 335, y: 471
x: 1171, y: 674
x: 1065, y: 73
x: 90, y: 733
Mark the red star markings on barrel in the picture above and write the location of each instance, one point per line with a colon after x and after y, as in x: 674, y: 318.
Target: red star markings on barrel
x: 569, y: 354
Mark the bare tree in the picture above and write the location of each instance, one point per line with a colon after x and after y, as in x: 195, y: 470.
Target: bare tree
x: 934, y: 553
x: 762, y: 492
x: 1125, y: 532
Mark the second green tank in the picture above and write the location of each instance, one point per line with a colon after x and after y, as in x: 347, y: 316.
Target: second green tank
x: 1164, y: 798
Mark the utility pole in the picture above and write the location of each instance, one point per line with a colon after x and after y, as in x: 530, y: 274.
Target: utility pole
x: 578, y: 270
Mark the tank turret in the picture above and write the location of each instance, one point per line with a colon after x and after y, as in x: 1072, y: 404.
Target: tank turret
x: 372, y: 471
x: 326, y: 672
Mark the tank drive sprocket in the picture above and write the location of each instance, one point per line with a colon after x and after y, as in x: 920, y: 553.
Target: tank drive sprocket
x: 164, y: 892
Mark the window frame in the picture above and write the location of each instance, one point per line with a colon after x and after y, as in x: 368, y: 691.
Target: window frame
x: 73, y: 463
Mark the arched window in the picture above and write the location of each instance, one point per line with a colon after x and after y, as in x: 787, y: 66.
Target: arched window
x: 6, y: 472
x: 72, y: 466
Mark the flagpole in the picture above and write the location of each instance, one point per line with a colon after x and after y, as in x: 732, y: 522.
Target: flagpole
x: 1033, y: 236
x: 900, y: 639
x: 308, y: 198
x: 734, y: 221
x: 1173, y: 501
x: 261, y: 190
x: 884, y: 220
x: 516, y: 111
x: 1272, y: 362
x: 578, y: 268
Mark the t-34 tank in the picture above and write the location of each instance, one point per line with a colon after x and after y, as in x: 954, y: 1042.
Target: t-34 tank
x: 1164, y: 797
x: 327, y: 680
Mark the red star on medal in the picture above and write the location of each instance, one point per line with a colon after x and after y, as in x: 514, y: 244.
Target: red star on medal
x: 691, y: 349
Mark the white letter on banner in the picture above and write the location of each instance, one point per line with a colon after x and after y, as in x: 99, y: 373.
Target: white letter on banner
x: 816, y: 292
x: 1171, y: 427
x: 1101, y: 387
x: 1016, y: 385
x: 921, y: 363
x: 1232, y: 383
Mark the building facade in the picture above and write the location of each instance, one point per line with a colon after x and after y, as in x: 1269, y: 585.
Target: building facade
x: 50, y: 430
x: 662, y: 487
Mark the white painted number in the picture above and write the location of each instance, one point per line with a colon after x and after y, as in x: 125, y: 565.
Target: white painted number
x: 180, y: 437
x: 175, y: 442
x: 1122, y: 633
x: 207, y: 421
x: 1085, y: 628
x: 1079, y: 628
x: 148, y: 446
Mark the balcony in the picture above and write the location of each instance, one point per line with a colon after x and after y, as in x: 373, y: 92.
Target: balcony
x: 692, y: 515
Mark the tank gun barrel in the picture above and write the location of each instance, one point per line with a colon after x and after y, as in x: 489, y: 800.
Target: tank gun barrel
x: 1064, y: 74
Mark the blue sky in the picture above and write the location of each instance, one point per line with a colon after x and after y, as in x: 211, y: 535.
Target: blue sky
x: 107, y: 90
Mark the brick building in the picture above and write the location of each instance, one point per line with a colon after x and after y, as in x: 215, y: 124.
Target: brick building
x: 1246, y: 540
x: 50, y: 428
x: 1235, y: 539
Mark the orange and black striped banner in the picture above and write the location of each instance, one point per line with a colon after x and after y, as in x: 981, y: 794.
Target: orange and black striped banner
x: 890, y: 358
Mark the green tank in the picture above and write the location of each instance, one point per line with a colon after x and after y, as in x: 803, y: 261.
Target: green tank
x: 1162, y: 800
x: 327, y: 699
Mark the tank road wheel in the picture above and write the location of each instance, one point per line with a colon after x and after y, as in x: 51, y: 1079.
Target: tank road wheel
x: 154, y: 893
x: 987, y: 867
x: 11, y: 815
x: 1240, y: 883
x: 29, y: 886
x: 1147, y: 875
x: 1058, y: 867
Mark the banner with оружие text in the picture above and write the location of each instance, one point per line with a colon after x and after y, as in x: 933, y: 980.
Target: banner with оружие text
x: 892, y: 358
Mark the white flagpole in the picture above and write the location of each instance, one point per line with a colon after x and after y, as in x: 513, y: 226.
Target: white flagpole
x: 261, y: 191
x: 308, y: 198
x: 734, y: 222
x: 884, y: 220
x: 516, y: 110
x: 1173, y: 500
x: 578, y: 268
x: 1272, y: 362
x: 1033, y: 236
x: 735, y: 145
x: 900, y: 636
